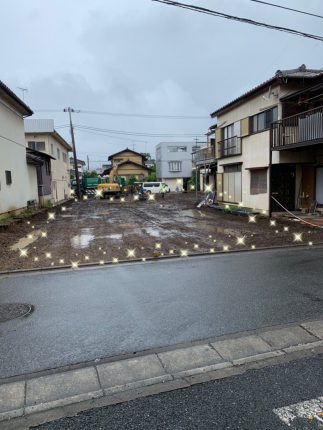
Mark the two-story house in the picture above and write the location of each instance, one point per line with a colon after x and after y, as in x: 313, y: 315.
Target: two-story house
x: 174, y: 163
x: 18, y: 180
x: 269, y: 144
x: 40, y: 135
x: 130, y: 164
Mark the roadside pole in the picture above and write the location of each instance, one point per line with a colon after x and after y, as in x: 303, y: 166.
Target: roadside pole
x: 196, y: 181
x: 78, y: 187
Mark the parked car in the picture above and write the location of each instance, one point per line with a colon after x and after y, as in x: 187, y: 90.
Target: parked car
x: 154, y: 187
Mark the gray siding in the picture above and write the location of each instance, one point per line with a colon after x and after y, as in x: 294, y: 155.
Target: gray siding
x: 165, y: 157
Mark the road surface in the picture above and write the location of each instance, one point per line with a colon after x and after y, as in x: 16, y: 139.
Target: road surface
x: 252, y: 401
x: 82, y: 315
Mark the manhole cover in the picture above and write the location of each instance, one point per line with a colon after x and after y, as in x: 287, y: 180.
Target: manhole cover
x: 9, y: 311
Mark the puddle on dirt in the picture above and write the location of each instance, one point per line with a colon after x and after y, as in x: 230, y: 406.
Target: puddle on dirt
x: 112, y: 236
x: 154, y: 232
x: 193, y: 213
x: 82, y: 240
x: 115, y: 236
x: 25, y: 241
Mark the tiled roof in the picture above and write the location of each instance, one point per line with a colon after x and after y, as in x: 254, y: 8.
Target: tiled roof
x: 126, y: 150
x: 300, y: 73
x: 25, y: 109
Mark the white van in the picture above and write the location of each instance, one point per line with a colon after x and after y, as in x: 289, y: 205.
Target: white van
x: 154, y: 187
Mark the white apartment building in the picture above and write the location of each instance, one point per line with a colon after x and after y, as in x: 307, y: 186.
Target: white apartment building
x: 41, y: 135
x: 174, y: 163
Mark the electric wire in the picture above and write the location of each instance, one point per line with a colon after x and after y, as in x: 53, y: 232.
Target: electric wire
x: 133, y: 133
x: 239, y: 19
x: 129, y: 115
x: 288, y: 8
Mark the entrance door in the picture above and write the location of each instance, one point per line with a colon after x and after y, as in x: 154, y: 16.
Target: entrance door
x: 319, y: 185
x: 283, y: 186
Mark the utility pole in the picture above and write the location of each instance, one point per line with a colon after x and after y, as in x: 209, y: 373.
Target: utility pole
x: 88, y: 163
x: 78, y: 186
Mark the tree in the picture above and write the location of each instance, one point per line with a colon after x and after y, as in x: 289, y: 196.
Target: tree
x: 192, y: 181
x: 90, y: 174
x: 152, y: 176
x: 146, y: 155
x: 132, y: 180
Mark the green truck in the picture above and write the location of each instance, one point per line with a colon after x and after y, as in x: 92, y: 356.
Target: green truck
x: 87, y: 185
x: 90, y: 185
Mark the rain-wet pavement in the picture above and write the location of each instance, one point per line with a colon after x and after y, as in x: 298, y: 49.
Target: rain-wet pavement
x: 86, y: 314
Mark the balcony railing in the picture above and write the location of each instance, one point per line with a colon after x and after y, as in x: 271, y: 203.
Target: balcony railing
x: 298, y: 130
x: 230, y: 147
x: 204, y: 155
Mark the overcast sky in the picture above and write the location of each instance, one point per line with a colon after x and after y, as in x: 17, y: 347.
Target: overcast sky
x: 143, y: 57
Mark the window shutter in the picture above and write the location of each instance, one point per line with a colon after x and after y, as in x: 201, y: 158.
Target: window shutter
x: 244, y: 127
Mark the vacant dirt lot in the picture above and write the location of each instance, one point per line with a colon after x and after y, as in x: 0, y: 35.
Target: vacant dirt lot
x: 98, y: 231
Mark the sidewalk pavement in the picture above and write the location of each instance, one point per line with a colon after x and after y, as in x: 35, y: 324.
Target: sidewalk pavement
x: 167, y: 370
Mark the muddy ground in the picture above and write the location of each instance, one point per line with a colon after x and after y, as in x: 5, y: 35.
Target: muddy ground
x: 98, y: 231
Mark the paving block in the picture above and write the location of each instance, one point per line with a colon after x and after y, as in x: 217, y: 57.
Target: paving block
x: 81, y: 382
x: 315, y: 327
x: 234, y: 349
x: 194, y: 357
x: 285, y: 337
x: 12, y: 398
x: 131, y: 373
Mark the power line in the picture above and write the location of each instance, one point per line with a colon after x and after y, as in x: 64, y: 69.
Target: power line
x: 239, y: 19
x: 287, y: 8
x: 109, y: 135
x: 132, y: 115
x: 134, y: 133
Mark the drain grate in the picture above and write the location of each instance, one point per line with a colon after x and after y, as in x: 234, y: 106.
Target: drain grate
x: 10, y: 311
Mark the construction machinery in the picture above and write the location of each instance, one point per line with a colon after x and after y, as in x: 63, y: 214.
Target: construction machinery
x: 111, y: 185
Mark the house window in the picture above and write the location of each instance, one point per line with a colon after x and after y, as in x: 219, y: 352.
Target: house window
x: 258, y: 181
x: 37, y: 146
x: 263, y: 120
x: 8, y: 177
x: 65, y: 159
x: 177, y: 148
x: 58, y: 154
x: 52, y: 148
x: 175, y: 166
x: 47, y: 167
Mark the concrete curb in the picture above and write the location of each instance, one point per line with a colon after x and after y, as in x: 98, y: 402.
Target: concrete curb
x: 97, y: 265
x: 172, y: 369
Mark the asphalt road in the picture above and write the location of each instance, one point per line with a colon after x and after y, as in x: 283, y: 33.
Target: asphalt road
x: 244, y: 402
x: 85, y: 314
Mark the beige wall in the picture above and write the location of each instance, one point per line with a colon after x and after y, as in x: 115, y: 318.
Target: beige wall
x: 60, y: 169
x: 32, y: 180
x: 256, y: 147
x: 13, y: 158
x: 129, y: 170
